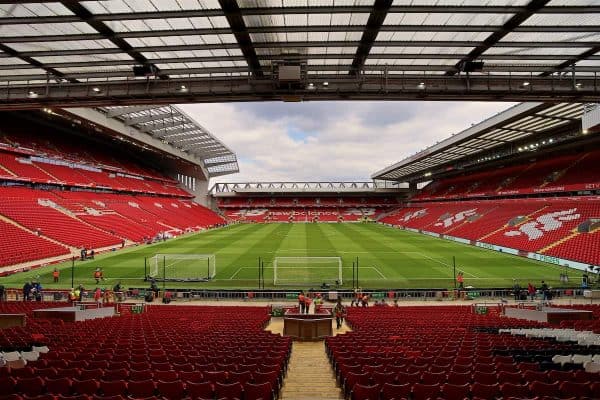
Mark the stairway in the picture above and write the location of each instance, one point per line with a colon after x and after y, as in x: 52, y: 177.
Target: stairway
x: 309, y: 374
x: 550, y: 246
x: 527, y: 219
x: 72, y: 249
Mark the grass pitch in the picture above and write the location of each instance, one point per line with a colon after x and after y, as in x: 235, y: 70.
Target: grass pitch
x: 388, y: 258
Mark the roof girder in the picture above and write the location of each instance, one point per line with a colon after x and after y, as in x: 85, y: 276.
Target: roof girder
x: 439, y: 9
x: 508, y: 27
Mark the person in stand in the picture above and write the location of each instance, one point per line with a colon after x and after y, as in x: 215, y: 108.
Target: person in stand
x: 461, y: 280
x: 545, y: 291
x: 154, y: 287
x: 301, y: 302
x: 55, y: 275
x: 340, y: 312
x: 98, y: 296
x: 531, y: 291
x: 516, y: 290
x: 27, y: 291
x: 81, y: 292
x: 307, y: 301
x: 365, y: 300
x: 37, y: 290
x: 118, y: 291
x: 73, y: 296
x: 357, y: 297
x: 167, y: 297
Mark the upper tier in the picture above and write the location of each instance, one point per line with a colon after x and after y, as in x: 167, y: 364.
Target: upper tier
x: 42, y: 159
x: 568, y: 173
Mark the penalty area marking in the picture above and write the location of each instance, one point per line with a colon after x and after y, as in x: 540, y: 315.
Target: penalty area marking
x: 449, y: 266
x: 232, y: 278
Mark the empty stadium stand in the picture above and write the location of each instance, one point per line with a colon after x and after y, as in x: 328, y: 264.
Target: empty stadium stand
x: 46, y: 159
x: 566, y: 173
x: 58, y: 196
x: 561, y: 227
x: 92, y: 219
x: 149, y: 354
x: 305, y: 209
x: 395, y: 353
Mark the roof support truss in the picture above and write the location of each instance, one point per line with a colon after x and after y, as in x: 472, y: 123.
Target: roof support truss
x: 508, y: 27
x: 233, y: 13
x: 370, y: 32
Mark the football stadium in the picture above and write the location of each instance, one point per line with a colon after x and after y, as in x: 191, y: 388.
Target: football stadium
x: 135, y: 264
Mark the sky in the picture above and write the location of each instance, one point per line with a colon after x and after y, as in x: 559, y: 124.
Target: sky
x: 330, y: 141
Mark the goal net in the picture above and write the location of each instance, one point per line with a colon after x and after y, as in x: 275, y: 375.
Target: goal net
x: 307, y: 271
x: 181, y: 267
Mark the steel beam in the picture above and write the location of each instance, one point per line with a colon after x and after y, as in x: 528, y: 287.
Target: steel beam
x: 300, y: 44
x: 402, y: 87
x: 149, y: 118
x: 424, y: 9
x: 302, y: 57
x: 234, y: 16
x: 107, y: 33
x: 116, y: 112
x: 508, y: 27
x: 370, y: 32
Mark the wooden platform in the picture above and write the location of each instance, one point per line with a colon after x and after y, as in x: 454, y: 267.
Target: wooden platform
x: 10, y: 320
x: 307, y: 326
x: 551, y: 315
x: 72, y: 314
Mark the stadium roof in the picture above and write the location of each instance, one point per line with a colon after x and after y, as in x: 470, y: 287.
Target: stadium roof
x: 174, y: 127
x: 503, y: 135
x: 305, y: 187
x: 84, y: 52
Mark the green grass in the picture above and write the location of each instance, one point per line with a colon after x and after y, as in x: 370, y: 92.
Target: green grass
x: 388, y: 258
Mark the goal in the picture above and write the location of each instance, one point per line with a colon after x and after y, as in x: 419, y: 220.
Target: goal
x: 181, y: 267
x: 315, y: 271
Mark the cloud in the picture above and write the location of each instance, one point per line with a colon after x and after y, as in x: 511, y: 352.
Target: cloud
x: 322, y: 141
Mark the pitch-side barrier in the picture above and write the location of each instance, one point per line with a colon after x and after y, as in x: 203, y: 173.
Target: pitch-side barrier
x: 387, y: 295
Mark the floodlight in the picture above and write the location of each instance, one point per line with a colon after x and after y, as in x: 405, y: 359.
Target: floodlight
x: 421, y: 85
x: 32, y: 94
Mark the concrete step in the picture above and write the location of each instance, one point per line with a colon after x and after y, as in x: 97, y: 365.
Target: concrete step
x: 309, y: 374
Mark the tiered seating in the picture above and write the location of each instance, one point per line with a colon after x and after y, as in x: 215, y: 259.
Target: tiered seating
x: 19, y: 246
x: 541, y: 172
x: 55, y: 224
x: 115, y: 215
x: 395, y: 353
x: 584, y: 247
x: 10, y: 161
x: 549, y: 225
x: 16, y: 164
x: 546, y: 225
x: 167, y: 352
x: 559, y: 173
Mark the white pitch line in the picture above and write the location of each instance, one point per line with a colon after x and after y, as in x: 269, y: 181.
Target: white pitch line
x: 379, y: 272
x: 236, y: 272
x: 448, y: 265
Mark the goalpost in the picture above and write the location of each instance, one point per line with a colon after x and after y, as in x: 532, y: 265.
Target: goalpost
x: 181, y: 267
x: 313, y: 271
